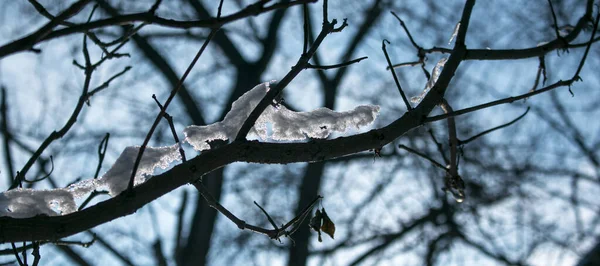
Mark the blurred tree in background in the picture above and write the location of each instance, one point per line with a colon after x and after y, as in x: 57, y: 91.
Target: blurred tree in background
x: 530, y: 167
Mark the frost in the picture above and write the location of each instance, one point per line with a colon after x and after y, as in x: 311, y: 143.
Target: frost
x: 286, y: 124
x: 454, y: 33
x: 437, y: 70
x: 117, y: 177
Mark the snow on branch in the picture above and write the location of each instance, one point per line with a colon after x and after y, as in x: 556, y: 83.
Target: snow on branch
x: 117, y: 177
x: 23, y: 203
x: 285, y: 125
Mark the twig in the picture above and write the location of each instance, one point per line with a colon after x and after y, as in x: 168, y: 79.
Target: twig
x: 463, y: 142
x: 24, y: 254
x: 328, y: 27
x: 414, y: 63
x: 45, y: 33
x: 180, y: 222
x: 16, y: 253
x: 554, y: 18
x: 36, y: 253
x: 59, y: 134
x: 219, y: 9
x: 268, y: 216
x: 7, y: 135
x: 101, y: 153
x: 419, y: 48
x: 169, y: 119
x: 94, y: 194
x: 106, y: 83
x: 42, y: 10
x: 305, y: 28
x: 439, y: 146
x: 241, y: 224
x: 43, y: 177
x: 154, y: 7
x: 340, y: 65
x: 422, y: 155
x: 387, y: 58
x: 541, y: 70
x: 325, y: 9
x: 560, y: 83
x: 166, y: 105
x: 452, y: 181
x: 587, y: 49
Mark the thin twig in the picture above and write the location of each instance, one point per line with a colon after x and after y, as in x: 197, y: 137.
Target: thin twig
x: 59, y: 134
x: 4, y: 127
x: 587, y: 49
x: 180, y: 222
x: 554, y: 18
x: 405, y: 64
x: 107, y: 83
x: 166, y: 105
x: 219, y: 9
x: 541, y: 70
x: 154, y: 7
x: 328, y: 27
x: 439, y: 146
x: 101, y: 153
x: 305, y: 28
x: 242, y: 225
x: 43, y: 177
x: 463, y: 142
x: 387, y: 58
x: 45, y: 33
x: 407, y: 32
x: 558, y: 84
x: 36, y: 253
x: 422, y: 155
x: 16, y: 253
x: 340, y: 65
x: 169, y: 119
x: 268, y: 216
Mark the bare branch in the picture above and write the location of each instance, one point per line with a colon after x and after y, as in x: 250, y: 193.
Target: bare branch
x: 463, y: 142
x: 340, y: 65
x: 387, y: 58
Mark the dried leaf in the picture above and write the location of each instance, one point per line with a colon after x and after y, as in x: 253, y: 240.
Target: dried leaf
x: 315, y: 223
x: 328, y: 226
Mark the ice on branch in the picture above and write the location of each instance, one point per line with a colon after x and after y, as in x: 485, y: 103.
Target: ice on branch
x: 117, y: 177
x: 454, y: 33
x: 285, y: 124
x: 24, y: 203
x: 437, y: 70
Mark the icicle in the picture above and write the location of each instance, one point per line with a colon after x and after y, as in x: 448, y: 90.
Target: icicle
x: 437, y: 70
x: 454, y: 33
